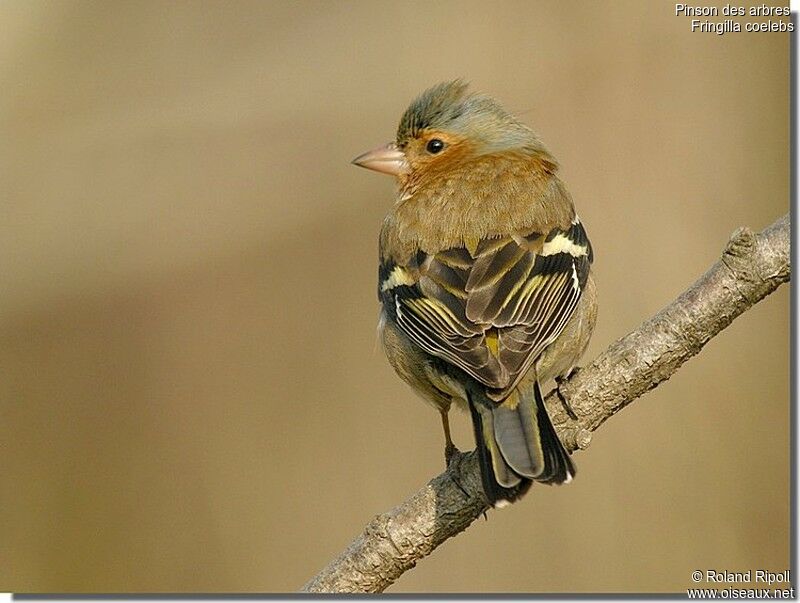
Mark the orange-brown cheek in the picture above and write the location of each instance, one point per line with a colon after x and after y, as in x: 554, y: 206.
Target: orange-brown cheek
x: 441, y: 165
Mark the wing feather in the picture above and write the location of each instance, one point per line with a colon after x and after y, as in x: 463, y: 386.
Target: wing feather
x: 517, y: 292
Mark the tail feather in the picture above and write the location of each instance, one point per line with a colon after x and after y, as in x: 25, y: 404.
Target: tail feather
x: 559, y: 468
x: 517, y: 435
x: 500, y: 483
x: 517, y: 444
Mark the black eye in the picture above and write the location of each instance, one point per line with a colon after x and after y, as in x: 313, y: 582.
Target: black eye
x: 434, y: 146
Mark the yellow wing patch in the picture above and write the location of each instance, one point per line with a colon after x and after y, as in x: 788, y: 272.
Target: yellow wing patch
x: 492, y: 343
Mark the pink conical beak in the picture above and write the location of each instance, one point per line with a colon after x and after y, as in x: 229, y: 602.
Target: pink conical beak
x: 387, y: 159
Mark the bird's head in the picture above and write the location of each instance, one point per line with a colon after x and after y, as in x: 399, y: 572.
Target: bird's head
x: 446, y: 126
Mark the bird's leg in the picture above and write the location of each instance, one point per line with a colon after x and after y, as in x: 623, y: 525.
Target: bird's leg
x: 451, y: 453
x: 449, y: 448
x: 560, y: 380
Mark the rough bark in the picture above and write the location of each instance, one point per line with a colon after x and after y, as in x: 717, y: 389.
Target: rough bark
x: 751, y: 267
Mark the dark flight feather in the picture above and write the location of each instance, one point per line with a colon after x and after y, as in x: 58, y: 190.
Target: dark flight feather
x: 492, y: 314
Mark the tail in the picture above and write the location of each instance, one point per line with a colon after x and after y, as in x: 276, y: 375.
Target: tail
x: 517, y: 445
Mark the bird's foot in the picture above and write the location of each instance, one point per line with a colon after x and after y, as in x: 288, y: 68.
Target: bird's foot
x: 450, y: 453
x: 452, y: 457
x: 459, y: 486
x: 564, y: 402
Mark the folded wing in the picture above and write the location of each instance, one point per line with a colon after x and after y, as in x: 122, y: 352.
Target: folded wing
x: 490, y: 308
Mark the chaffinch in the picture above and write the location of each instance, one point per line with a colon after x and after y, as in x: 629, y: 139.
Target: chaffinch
x: 484, y: 279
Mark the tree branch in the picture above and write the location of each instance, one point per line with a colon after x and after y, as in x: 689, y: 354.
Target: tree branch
x: 752, y: 266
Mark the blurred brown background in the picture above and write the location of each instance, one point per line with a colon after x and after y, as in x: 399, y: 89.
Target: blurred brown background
x: 192, y: 397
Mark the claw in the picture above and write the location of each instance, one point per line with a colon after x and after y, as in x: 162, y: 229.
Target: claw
x: 564, y: 402
x: 450, y: 452
x: 453, y: 457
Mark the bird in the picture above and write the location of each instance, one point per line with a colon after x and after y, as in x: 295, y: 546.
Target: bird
x: 484, y: 279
